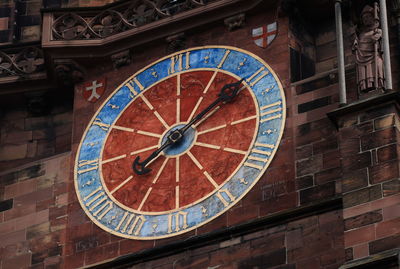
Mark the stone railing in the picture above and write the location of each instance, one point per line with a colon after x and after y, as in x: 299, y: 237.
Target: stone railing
x: 21, y: 62
x: 95, y: 24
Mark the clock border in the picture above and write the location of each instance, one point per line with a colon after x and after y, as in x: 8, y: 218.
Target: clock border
x: 223, y: 210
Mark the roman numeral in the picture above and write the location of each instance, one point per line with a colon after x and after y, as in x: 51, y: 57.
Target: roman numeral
x: 92, y: 165
x: 131, y: 86
x: 95, y: 199
x: 225, y: 196
x: 177, y: 220
x: 221, y: 63
x: 254, y: 160
x: 178, y: 60
x: 267, y: 110
x: 257, y: 76
x: 102, y: 125
x: 133, y: 223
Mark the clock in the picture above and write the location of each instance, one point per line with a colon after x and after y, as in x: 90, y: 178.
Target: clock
x: 180, y: 142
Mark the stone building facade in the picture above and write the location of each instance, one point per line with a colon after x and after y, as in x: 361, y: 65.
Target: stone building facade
x: 330, y: 197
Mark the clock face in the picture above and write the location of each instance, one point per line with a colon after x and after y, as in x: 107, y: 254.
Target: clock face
x: 221, y: 155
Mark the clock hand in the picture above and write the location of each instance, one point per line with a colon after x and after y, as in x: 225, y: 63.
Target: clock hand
x: 226, y: 95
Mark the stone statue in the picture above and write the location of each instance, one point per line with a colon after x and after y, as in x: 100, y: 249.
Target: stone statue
x: 368, y: 51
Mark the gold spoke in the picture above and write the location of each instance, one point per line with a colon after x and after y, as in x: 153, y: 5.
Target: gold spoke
x: 207, y: 116
x: 122, y: 128
x: 207, y: 145
x: 243, y: 120
x: 212, y: 129
x: 122, y: 184
x: 114, y: 159
x: 235, y: 151
x: 143, y: 150
x: 149, y: 134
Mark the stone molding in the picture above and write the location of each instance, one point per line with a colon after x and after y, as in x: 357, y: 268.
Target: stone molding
x: 108, y: 30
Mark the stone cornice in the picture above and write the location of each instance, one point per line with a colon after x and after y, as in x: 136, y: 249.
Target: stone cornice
x: 62, y: 41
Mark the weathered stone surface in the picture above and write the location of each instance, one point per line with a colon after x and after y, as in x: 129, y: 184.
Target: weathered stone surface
x: 362, y: 196
x: 363, y: 220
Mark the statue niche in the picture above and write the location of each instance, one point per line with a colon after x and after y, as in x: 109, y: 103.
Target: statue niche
x: 368, y: 51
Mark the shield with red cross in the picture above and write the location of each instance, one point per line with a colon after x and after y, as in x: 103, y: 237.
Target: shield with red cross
x: 264, y: 35
x: 92, y: 90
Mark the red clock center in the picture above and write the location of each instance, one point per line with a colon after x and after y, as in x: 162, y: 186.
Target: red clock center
x: 209, y: 154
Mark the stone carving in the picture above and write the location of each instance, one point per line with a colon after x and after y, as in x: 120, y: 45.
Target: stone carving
x: 68, y: 72
x: 121, y: 59
x: 27, y: 61
x: 119, y: 18
x: 235, y: 22
x: 176, y: 42
x: 368, y: 51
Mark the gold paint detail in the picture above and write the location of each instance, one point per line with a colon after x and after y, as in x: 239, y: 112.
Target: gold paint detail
x: 93, y: 163
x: 187, y: 60
x: 179, y: 59
x: 268, y: 89
x: 137, y: 225
x: 270, y: 146
x: 122, y: 184
x: 145, y: 198
x: 207, y: 145
x: 177, y: 223
x: 264, y: 160
x: 91, y: 144
x: 206, y: 58
x: 178, y: 110
x: 253, y: 165
x: 243, y: 181
x: 221, y: 63
x: 271, y: 111
x: 149, y: 134
x: 121, y: 221
x: 178, y: 85
x: 107, y: 204
x: 113, y: 106
x: 92, y: 193
x: 101, y: 124
x: 225, y: 201
x: 176, y: 196
x: 271, y: 118
x: 160, y: 171
x: 177, y: 168
x: 212, y: 129
x: 113, y: 159
x: 144, y: 149
x: 196, y: 162
x: 257, y: 79
x: 166, y: 126
x: 127, y: 223
x: 243, y: 120
x: 126, y: 129
x: 204, y: 211
x: 241, y: 64
x: 154, y: 73
x: 264, y: 152
x: 235, y: 151
x: 271, y: 105
x: 131, y: 86
x: 207, y: 116
x: 195, y: 108
x: 147, y: 102
x: 210, y: 82
x: 212, y: 181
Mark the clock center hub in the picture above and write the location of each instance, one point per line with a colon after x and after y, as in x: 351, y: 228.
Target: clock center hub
x: 182, y: 144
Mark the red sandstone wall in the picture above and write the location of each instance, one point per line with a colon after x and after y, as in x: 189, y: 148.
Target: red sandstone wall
x: 33, y: 214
